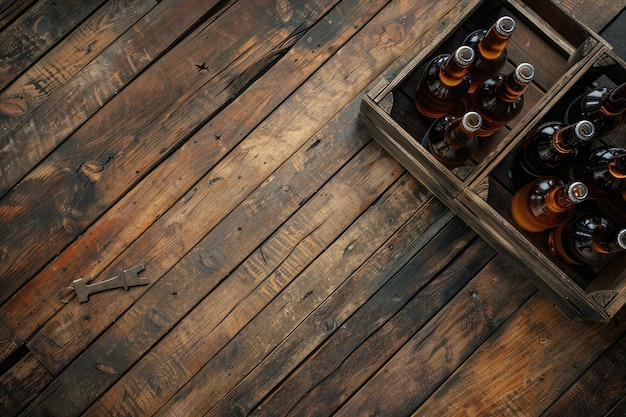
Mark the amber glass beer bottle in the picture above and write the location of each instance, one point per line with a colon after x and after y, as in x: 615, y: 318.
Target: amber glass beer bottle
x: 589, y: 240
x: 444, y: 82
x: 604, y: 171
x: 604, y: 107
x: 545, y: 203
x: 500, y: 98
x: 452, y: 140
x: 551, y: 149
x: 489, y: 47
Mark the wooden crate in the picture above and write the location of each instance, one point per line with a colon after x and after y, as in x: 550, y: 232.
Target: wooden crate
x: 568, y: 58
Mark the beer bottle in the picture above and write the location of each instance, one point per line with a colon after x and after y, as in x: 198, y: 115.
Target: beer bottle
x: 545, y: 203
x: 613, y: 206
x: 489, y: 47
x: 451, y: 139
x: 589, y: 240
x: 604, y: 107
x: 550, y: 149
x: 500, y: 98
x: 604, y: 171
x: 444, y: 83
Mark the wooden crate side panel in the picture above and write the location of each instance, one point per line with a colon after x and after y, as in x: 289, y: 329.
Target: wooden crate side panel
x: 408, y: 152
x: 566, y: 294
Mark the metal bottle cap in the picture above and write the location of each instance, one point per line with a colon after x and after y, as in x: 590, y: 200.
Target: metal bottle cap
x: 577, y: 191
x: 524, y: 73
x: 585, y: 130
x: 505, y: 25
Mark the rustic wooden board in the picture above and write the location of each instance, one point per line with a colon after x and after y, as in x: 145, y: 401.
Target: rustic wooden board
x: 11, y: 9
x: 161, y: 189
x: 619, y: 410
x: 443, y: 344
x: 20, y: 384
x: 28, y: 91
x: 532, y: 374
x: 599, y: 389
x: 100, y: 81
x: 220, y: 257
x: 340, y: 306
x: 604, y: 11
x: 101, y: 161
x: 39, y: 28
x: 164, y: 256
x: 206, y: 218
x: 283, y: 311
x: 347, y: 358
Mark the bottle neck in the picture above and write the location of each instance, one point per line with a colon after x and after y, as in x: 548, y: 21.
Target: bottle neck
x: 516, y: 82
x: 569, y: 138
x: 611, y: 240
x: 463, y: 129
x: 563, y: 197
x: 617, y: 166
x: 615, y: 101
x: 496, y: 38
x: 456, y: 65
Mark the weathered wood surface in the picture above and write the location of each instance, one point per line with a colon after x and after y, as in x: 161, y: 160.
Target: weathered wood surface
x: 295, y: 268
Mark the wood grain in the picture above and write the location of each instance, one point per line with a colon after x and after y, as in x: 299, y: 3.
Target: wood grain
x: 598, y: 389
x: 62, y: 62
x: 38, y: 29
x: 440, y: 347
x: 538, y: 370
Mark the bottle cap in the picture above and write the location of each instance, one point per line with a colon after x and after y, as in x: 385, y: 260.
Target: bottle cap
x: 464, y: 56
x: 524, y: 73
x: 577, y: 191
x: 472, y: 121
x: 585, y: 129
x: 505, y: 25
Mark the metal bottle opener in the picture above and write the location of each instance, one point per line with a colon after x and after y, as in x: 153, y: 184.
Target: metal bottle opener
x: 127, y: 278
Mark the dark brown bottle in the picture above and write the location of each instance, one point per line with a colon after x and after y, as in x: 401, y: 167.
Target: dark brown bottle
x: 545, y: 203
x: 444, y: 82
x: 452, y: 140
x: 589, y: 240
x: 604, y: 107
x: 613, y: 206
x: 489, y: 47
x: 604, y: 171
x: 500, y: 98
x: 551, y: 149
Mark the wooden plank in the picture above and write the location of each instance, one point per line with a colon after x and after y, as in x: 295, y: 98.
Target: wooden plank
x: 578, y: 10
x: 598, y: 389
x: 221, y: 254
x: 35, y: 31
x: 437, y: 349
x: 374, y: 294
x: 11, y: 9
x: 619, y: 410
x: 97, y: 83
x: 19, y: 385
x: 523, y: 378
x: 163, y: 187
x: 62, y: 330
x: 353, y: 360
x: 101, y: 161
x: 28, y: 91
x: 282, y: 302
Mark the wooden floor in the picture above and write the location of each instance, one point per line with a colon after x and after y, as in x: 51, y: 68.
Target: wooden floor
x: 294, y: 267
